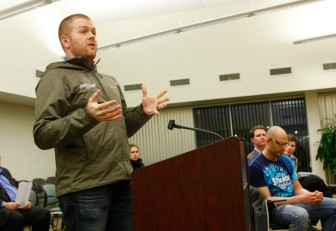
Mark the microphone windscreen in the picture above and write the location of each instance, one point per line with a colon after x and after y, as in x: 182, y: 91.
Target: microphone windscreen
x: 171, y: 124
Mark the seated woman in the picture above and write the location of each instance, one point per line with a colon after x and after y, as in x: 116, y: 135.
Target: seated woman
x: 311, y: 182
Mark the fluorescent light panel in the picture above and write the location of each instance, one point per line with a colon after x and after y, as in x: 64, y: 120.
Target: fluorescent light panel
x: 314, y: 39
x: 24, y: 7
x: 213, y: 21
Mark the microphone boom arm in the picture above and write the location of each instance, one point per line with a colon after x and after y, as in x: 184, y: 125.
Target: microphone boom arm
x: 172, y: 125
x: 202, y: 130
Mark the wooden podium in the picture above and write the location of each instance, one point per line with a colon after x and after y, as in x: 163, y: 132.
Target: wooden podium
x: 202, y: 190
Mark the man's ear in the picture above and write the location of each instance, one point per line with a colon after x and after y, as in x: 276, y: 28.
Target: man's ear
x: 65, y: 41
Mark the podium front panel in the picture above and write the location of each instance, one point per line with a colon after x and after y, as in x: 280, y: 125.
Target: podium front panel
x: 204, y: 189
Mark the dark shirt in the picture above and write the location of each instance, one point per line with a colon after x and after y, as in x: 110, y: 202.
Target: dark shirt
x: 137, y: 163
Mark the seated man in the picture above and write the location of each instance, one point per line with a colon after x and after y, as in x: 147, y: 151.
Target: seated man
x: 274, y: 175
x: 12, y: 218
x: 258, y: 138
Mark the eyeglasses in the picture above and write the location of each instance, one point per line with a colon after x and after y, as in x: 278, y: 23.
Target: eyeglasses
x: 282, y: 144
x: 134, y: 151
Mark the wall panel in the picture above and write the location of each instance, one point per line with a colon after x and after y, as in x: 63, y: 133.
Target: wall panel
x: 156, y: 142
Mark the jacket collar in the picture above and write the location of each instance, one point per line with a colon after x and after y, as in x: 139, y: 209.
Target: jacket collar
x: 83, y: 63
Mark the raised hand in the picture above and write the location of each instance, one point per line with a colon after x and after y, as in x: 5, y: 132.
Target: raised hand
x: 106, y: 111
x: 151, y: 104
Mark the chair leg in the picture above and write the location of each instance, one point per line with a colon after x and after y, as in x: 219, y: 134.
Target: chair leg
x: 52, y: 224
x: 62, y: 225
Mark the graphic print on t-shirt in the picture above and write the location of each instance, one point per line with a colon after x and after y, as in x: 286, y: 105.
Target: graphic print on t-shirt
x: 278, y: 180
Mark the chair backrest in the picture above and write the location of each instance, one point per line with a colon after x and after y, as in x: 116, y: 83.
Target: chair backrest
x: 33, y: 198
x: 50, y: 194
x: 51, y: 180
x: 19, y: 181
x: 37, y: 184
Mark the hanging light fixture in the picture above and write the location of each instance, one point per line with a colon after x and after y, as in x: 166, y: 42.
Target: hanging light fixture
x: 24, y: 7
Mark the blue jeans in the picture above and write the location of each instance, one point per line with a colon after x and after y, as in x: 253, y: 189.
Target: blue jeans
x: 297, y: 216
x: 102, y: 208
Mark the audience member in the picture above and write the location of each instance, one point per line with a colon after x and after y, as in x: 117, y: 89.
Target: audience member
x: 258, y: 138
x: 83, y: 115
x: 275, y: 177
x: 311, y: 182
x: 291, y: 148
x: 136, y: 161
x: 13, y: 218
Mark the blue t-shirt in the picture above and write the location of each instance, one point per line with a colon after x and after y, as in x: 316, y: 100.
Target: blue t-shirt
x: 278, y: 175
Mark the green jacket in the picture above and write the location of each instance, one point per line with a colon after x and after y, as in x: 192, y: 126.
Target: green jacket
x: 88, y: 153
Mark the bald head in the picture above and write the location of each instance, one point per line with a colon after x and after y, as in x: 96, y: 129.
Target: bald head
x: 276, y: 132
x: 276, y: 142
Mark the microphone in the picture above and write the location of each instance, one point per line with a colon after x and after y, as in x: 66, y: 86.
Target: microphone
x: 172, y: 125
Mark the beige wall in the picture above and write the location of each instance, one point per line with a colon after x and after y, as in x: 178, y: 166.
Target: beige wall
x: 19, y: 153
x: 17, y: 149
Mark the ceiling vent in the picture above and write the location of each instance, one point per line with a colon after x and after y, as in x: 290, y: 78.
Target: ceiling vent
x: 132, y: 87
x: 281, y: 71
x: 228, y: 77
x: 329, y: 66
x: 179, y: 82
x: 39, y: 73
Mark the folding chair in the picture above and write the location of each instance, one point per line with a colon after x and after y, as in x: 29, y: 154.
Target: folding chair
x: 273, y: 226
x: 51, y: 202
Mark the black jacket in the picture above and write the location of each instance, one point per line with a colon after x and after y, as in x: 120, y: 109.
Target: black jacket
x: 137, y: 163
x: 4, y: 196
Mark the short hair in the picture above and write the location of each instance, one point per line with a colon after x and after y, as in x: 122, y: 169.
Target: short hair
x: 252, y: 130
x: 133, y: 145
x: 292, y: 138
x: 65, y: 25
